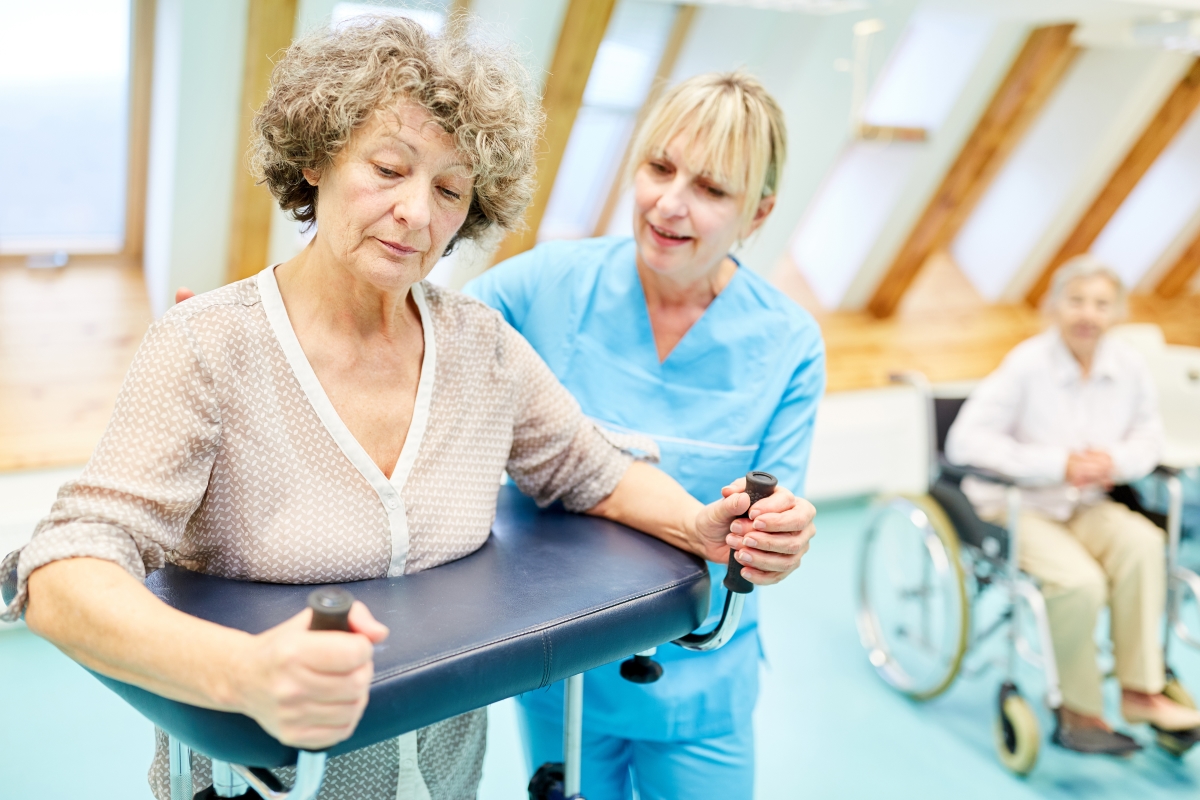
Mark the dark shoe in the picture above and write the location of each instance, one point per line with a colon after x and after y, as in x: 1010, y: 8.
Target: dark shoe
x: 1095, y: 741
x: 1188, y: 737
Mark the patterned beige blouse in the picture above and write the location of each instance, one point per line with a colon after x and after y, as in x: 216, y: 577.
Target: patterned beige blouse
x: 225, y: 456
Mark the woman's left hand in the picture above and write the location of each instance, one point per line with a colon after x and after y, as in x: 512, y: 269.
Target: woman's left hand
x: 770, y: 544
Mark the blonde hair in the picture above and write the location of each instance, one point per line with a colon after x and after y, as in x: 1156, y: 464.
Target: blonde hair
x: 1084, y: 266
x: 734, y: 129
x: 333, y: 80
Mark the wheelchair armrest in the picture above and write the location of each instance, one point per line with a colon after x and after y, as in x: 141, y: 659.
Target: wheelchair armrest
x: 957, y: 472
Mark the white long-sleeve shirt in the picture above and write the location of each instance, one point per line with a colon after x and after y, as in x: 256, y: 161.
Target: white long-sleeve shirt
x: 1037, y: 408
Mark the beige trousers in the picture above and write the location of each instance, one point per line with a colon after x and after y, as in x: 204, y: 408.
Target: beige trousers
x: 1104, y: 554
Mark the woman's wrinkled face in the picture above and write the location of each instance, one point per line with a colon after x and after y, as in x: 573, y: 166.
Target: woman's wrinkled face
x: 685, y: 222
x: 393, y: 198
x: 1087, y: 308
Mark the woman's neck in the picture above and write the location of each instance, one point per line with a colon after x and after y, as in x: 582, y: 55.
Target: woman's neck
x: 668, y: 291
x: 675, y: 305
x: 319, y: 290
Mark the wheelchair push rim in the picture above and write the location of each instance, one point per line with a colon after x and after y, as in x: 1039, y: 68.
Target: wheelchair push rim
x: 915, y: 625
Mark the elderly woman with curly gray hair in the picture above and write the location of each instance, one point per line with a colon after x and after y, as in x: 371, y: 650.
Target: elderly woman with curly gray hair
x: 300, y: 426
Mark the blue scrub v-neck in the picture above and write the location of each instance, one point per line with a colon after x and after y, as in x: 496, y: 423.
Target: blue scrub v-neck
x: 696, y: 331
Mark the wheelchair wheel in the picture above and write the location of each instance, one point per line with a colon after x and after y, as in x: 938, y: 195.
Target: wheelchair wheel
x: 1017, y: 736
x: 913, y: 614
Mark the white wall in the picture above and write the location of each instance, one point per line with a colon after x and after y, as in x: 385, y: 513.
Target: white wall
x: 869, y: 442
x: 193, y: 145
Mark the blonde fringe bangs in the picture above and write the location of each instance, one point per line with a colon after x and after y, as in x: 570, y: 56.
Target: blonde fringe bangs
x: 734, y: 128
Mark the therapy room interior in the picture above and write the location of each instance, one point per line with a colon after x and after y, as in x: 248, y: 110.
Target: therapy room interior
x: 959, y: 278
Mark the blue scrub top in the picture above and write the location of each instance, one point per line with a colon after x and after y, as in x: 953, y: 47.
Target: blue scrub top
x: 739, y: 392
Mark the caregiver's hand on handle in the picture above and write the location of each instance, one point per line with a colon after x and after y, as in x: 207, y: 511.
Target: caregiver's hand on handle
x: 769, y: 544
x: 767, y: 537
x: 308, y: 678
x: 758, y: 485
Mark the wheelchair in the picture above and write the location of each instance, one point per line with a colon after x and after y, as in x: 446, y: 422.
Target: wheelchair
x: 927, y: 561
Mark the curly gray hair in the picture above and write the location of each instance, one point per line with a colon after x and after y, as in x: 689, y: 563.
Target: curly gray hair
x: 331, y: 81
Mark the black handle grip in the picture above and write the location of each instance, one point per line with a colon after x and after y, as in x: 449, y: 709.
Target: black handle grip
x: 758, y: 486
x: 331, y: 609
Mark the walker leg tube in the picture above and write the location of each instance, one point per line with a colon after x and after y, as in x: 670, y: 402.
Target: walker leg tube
x: 226, y: 782
x: 180, y: 756
x: 310, y: 771
x: 573, y: 736
x: 1174, y: 521
x: 1012, y: 497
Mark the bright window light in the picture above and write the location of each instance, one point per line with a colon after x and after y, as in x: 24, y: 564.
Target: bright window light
x: 620, y: 76
x: 55, y: 40
x: 1027, y: 195
x: 63, y: 125
x: 618, y: 85
x: 581, y: 186
x: 1157, y: 210
x: 928, y: 70
x: 432, y: 21
x: 837, y: 232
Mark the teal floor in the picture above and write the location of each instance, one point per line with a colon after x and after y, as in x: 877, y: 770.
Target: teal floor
x: 826, y: 726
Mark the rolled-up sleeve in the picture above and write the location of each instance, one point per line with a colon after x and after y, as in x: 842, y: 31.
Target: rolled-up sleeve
x: 148, y: 474
x: 557, y: 453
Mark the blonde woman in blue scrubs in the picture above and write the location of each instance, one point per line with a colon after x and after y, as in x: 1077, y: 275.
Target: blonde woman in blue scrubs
x: 665, y: 334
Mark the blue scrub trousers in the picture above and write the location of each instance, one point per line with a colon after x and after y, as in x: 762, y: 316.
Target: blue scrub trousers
x: 720, y: 766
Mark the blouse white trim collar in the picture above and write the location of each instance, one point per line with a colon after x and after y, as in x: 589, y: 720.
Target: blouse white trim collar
x: 390, y: 491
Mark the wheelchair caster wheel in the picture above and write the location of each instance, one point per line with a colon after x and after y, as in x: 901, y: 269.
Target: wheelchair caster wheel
x: 1017, y: 737
x: 1174, y: 691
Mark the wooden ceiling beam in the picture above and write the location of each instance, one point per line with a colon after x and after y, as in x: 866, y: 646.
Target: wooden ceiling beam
x: 1176, y: 279
x: 681, y: 26
x: 582, y: 32
x: 1159, y: 133
x: 269, y: 30
x: 141, y: 76
x: 1033, y: 75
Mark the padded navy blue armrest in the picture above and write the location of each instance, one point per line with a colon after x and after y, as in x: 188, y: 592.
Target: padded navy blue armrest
x: 551, y: 594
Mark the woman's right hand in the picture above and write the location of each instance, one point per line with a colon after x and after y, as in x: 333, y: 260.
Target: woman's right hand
x: 306, y: 688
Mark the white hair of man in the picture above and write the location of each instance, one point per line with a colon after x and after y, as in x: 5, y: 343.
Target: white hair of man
x: 1085, y: 265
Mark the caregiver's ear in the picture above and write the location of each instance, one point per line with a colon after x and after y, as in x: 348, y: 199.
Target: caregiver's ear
x: 312, y: 176
x: 765, y: 207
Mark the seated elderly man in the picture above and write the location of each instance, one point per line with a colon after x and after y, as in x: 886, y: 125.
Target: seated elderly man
x: 1074, y: 411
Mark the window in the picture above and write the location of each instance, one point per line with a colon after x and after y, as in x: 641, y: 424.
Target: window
x: 1158, y: 209
x: 837, y: 232
x: 64, y: 85
x: 917, y: 90
x: 1059, y: 151
x: 927, y: 73
x: 620, y: 81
